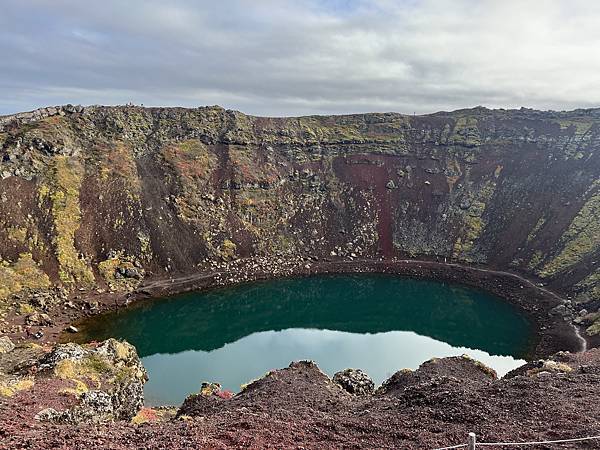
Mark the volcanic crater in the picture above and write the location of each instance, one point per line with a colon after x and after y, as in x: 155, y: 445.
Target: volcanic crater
x: 104, y: 206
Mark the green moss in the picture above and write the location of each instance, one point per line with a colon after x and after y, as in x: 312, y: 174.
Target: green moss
x: 191, y: 158
x: 473, y: 223
x: 593, y: 329
x: 228, y: 249
x: 535, y: 260
x: 590, y: 286
x: 64, y: 181
x: 581, y: 238
x: 23, y: 273
x: 533, y: 233
x: 97, y: 364
x: 313, y: 130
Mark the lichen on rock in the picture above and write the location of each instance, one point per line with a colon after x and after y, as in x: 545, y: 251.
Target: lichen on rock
x: 106, y: 380
x: 355, y: 381
x: 63, y: 182
x: 580, y: 239
x: 22, y: 274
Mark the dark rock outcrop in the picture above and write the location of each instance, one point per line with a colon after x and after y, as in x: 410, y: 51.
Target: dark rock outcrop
x: 355, y: 381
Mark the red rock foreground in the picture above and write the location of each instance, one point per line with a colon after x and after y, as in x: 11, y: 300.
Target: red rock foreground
x: 95, y: 394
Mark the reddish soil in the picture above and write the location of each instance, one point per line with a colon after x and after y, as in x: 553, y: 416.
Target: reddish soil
x: 300, y: 407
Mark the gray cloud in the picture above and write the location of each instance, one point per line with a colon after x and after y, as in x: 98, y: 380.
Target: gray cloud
x: 293, y: 57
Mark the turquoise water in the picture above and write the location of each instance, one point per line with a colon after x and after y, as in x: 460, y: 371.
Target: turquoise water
x: 379, y: 323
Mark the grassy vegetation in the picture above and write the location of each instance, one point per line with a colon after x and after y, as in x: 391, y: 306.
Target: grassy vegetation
x: 191, y: 158
x: 591, y: 286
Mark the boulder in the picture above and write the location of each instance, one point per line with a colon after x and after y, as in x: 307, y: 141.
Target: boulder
x: 355, y: 381
x: 6, y: 344
x: 38, y: 319
x: 107, y: 380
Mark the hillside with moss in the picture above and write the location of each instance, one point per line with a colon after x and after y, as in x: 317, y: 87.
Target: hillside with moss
x: 107, y: 197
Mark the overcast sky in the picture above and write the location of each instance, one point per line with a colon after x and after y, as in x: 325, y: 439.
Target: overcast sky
x: 301, y: 57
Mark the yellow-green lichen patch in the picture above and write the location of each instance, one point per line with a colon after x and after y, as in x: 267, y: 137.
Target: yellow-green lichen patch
x: 23, y: 273
x: 473, y: 222
x: 581, y: 238
x: 227, y: 249
x: 87, y: 373
x: 91, y: 371
x: 10, y: 386
x: 466, y: 132
x: 63, y: 184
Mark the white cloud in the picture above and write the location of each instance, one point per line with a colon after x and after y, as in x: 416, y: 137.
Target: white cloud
x: 296, y: 57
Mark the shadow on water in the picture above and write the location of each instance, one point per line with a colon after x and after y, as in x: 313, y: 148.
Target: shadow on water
x: 361, y: 303
x: 380, y: 323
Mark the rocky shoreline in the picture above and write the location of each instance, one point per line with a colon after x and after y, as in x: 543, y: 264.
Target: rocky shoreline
x: 550, y: 315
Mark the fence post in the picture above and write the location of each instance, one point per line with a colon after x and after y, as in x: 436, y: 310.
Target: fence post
x: 472, y: 441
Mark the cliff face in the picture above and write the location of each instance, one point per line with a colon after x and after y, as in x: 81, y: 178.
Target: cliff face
x: 110, y: 195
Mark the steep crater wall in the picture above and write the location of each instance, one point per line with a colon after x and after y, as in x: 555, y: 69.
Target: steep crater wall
x: 108, y: 196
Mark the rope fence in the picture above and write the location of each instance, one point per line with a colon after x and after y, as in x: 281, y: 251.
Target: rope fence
x: 472, y: 443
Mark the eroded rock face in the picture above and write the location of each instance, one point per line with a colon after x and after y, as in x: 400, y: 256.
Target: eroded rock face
x: 79, y: 383
x: 103, y: 196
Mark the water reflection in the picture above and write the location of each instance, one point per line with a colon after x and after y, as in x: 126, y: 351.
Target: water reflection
x: 356, y: 303
x: 381, y: 323
x: 175, y: 376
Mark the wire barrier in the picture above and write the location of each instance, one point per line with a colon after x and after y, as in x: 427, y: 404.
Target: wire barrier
x: 473, y: 444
